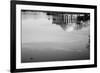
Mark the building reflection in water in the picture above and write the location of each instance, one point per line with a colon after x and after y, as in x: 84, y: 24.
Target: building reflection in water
x: 64, y: 19
x: 78, y: 20
x: 54, y: 36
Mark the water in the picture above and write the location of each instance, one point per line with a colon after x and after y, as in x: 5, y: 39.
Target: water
x: 41, y: 52
x: 44, y: 41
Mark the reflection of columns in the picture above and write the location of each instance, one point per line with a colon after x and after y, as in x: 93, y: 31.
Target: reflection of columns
x: 66, y: 19
x: 60, y: 19
x: 56, y: 18
x: 74, y: 18
x: 69, y: 18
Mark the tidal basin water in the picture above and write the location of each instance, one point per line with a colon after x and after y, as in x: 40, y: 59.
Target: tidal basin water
x: 44, y: 41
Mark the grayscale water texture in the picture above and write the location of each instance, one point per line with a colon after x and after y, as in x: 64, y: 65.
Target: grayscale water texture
x: 52, y: 36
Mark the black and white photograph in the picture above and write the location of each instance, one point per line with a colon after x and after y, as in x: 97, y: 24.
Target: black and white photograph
x: 54, y: 36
